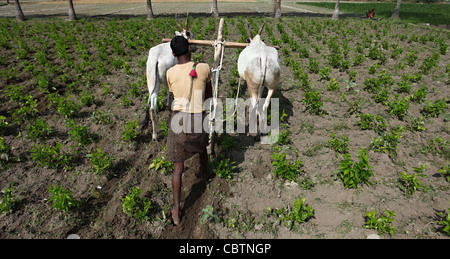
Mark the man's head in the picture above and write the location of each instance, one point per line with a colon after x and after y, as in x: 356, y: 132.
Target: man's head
x: 179, y: 46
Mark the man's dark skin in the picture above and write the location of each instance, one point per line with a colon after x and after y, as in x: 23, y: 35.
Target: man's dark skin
x: 178, y: 168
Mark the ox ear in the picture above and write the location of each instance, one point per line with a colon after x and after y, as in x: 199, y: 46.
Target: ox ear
x: 260, y: 30
x: 249, y: 30
x: 176, y: 20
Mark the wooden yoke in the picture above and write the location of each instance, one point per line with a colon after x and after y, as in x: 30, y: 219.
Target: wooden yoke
x: 228, y: 44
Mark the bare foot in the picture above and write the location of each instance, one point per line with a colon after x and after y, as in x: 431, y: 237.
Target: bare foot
x: 176, y: 217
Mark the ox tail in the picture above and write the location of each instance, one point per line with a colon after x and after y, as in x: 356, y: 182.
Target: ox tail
x: 144, y: 124
x: 263, y: 63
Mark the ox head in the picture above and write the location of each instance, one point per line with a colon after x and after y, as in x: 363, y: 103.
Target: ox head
x: 185, y: 32
x: 252, y: 38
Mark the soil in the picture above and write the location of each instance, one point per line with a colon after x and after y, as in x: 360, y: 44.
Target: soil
x: 245, y: 205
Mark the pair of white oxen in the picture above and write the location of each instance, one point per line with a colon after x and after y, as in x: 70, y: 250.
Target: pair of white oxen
x: 258, y: 65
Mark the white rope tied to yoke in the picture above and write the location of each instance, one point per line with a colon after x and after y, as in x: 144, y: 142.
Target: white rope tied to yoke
x: 216, y: 72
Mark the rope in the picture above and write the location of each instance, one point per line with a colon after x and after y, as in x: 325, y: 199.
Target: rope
x: 216, y: 72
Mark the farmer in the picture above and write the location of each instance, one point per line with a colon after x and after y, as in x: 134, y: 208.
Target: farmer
x: 370, y: 14
x: 190, y: 84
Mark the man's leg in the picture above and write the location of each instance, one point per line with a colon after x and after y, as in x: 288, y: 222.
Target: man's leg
x: 176, y: 187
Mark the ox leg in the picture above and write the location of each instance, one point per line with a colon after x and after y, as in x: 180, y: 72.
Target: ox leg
x: 265, y: 107
x: 153, y: 112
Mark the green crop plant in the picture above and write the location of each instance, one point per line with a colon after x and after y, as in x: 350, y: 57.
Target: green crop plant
x: 411, y: 58
x: 417, y: 124
x: 371, y: 122
x: 66, y: 107
x: 134, y: 205
x: 337, y: 145
x: 387, y: 142
x: 62, y: 199
x: 28, y: 109
x: 208, y: 213
x: 3, y: 125
x: 38, y: 130
x: 334, y: 85
x: 419, y: 95
x: 324, y: 73
x: 284, y: 138
x: 445, y: 172
x: 299, y: 213
x: 382, y: 96
x: 410, y: 183
x: 8, y: 200
x: 429, y: 63
x: 313, y: 66
x: 100, y: 161
x: 162, y: 165
x: 79, y: 133
x: 51, y: 156
x: 284, y: 169
x: 102, y: 117
x: 313, y: 102
x: 351, y: 173
x: 444, y: 221
x: 399, y: 107
x: 86, y: 98
x: 382, y: 224
x: 6, y: 155
x: 131, y: 130
x: 15, y: 93
x: 434, y: 109
x: 224, y: 167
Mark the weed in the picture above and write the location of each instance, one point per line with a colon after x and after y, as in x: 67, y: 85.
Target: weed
x: 352, y: 173
x: 382, y: 223
x: 6, y: 155
x: 62, y: 199
x: 134, y: 205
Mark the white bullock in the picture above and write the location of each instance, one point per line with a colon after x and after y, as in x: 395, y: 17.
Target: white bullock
x: 259, y: 66
x: 160, y: 59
